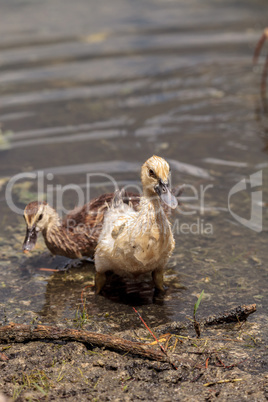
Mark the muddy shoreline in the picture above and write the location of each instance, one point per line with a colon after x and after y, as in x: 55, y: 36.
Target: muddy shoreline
x: 227, y: 362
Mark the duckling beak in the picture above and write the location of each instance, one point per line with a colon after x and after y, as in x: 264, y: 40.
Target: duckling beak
x: 164, y: 193
x: 30, y: 239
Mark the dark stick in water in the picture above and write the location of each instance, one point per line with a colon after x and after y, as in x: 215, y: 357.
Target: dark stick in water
x: 237, y: 314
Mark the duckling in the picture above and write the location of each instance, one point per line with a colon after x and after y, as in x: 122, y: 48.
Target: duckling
x: 77, y: 234
x: 136, y: 241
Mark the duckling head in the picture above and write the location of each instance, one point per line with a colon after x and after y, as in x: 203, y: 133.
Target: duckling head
x: 155, y: 177
x: 37, y: 217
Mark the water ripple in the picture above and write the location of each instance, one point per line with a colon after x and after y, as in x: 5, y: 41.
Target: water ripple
x: 119, y: 166
x: 58, y: 95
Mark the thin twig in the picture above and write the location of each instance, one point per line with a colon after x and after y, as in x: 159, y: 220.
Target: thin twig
x: 209, y: 384
x: 260, y: 45
x: 151, y: 332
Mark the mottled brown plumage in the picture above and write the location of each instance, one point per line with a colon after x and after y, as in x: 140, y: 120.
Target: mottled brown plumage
x: 75, y: 236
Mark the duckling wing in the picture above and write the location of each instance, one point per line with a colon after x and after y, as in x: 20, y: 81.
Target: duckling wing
x: 92, y: 213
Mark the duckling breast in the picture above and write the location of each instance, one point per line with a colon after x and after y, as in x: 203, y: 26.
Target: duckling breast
x: 132, y: 244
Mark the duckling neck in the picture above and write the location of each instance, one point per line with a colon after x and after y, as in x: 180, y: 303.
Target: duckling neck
x: 151, y: 213
x: 53, y: 220
x: 153, y: 204
x: 60, y: 240
x: 56, y: 235
x: 53, y: 228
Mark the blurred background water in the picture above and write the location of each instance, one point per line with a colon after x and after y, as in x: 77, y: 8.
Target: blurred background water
x: 98, y: 87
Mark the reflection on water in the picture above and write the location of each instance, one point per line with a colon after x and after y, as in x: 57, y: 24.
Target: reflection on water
x: 100, y: 92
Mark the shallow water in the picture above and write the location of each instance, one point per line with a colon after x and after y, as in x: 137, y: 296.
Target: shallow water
x: 98, y: 89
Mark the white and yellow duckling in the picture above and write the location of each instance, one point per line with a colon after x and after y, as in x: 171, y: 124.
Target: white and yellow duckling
x: 134, y: 242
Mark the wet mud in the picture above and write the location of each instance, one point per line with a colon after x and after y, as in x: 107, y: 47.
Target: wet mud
x: 227, y: 362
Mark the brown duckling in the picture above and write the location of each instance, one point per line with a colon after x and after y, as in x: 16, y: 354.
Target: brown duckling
x: 75, y: 236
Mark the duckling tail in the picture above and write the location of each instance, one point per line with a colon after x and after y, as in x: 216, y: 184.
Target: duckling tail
x: 118, y: 199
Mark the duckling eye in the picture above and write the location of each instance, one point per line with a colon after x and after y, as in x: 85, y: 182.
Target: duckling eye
x: 40, y: 217
x: 151, y: 173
